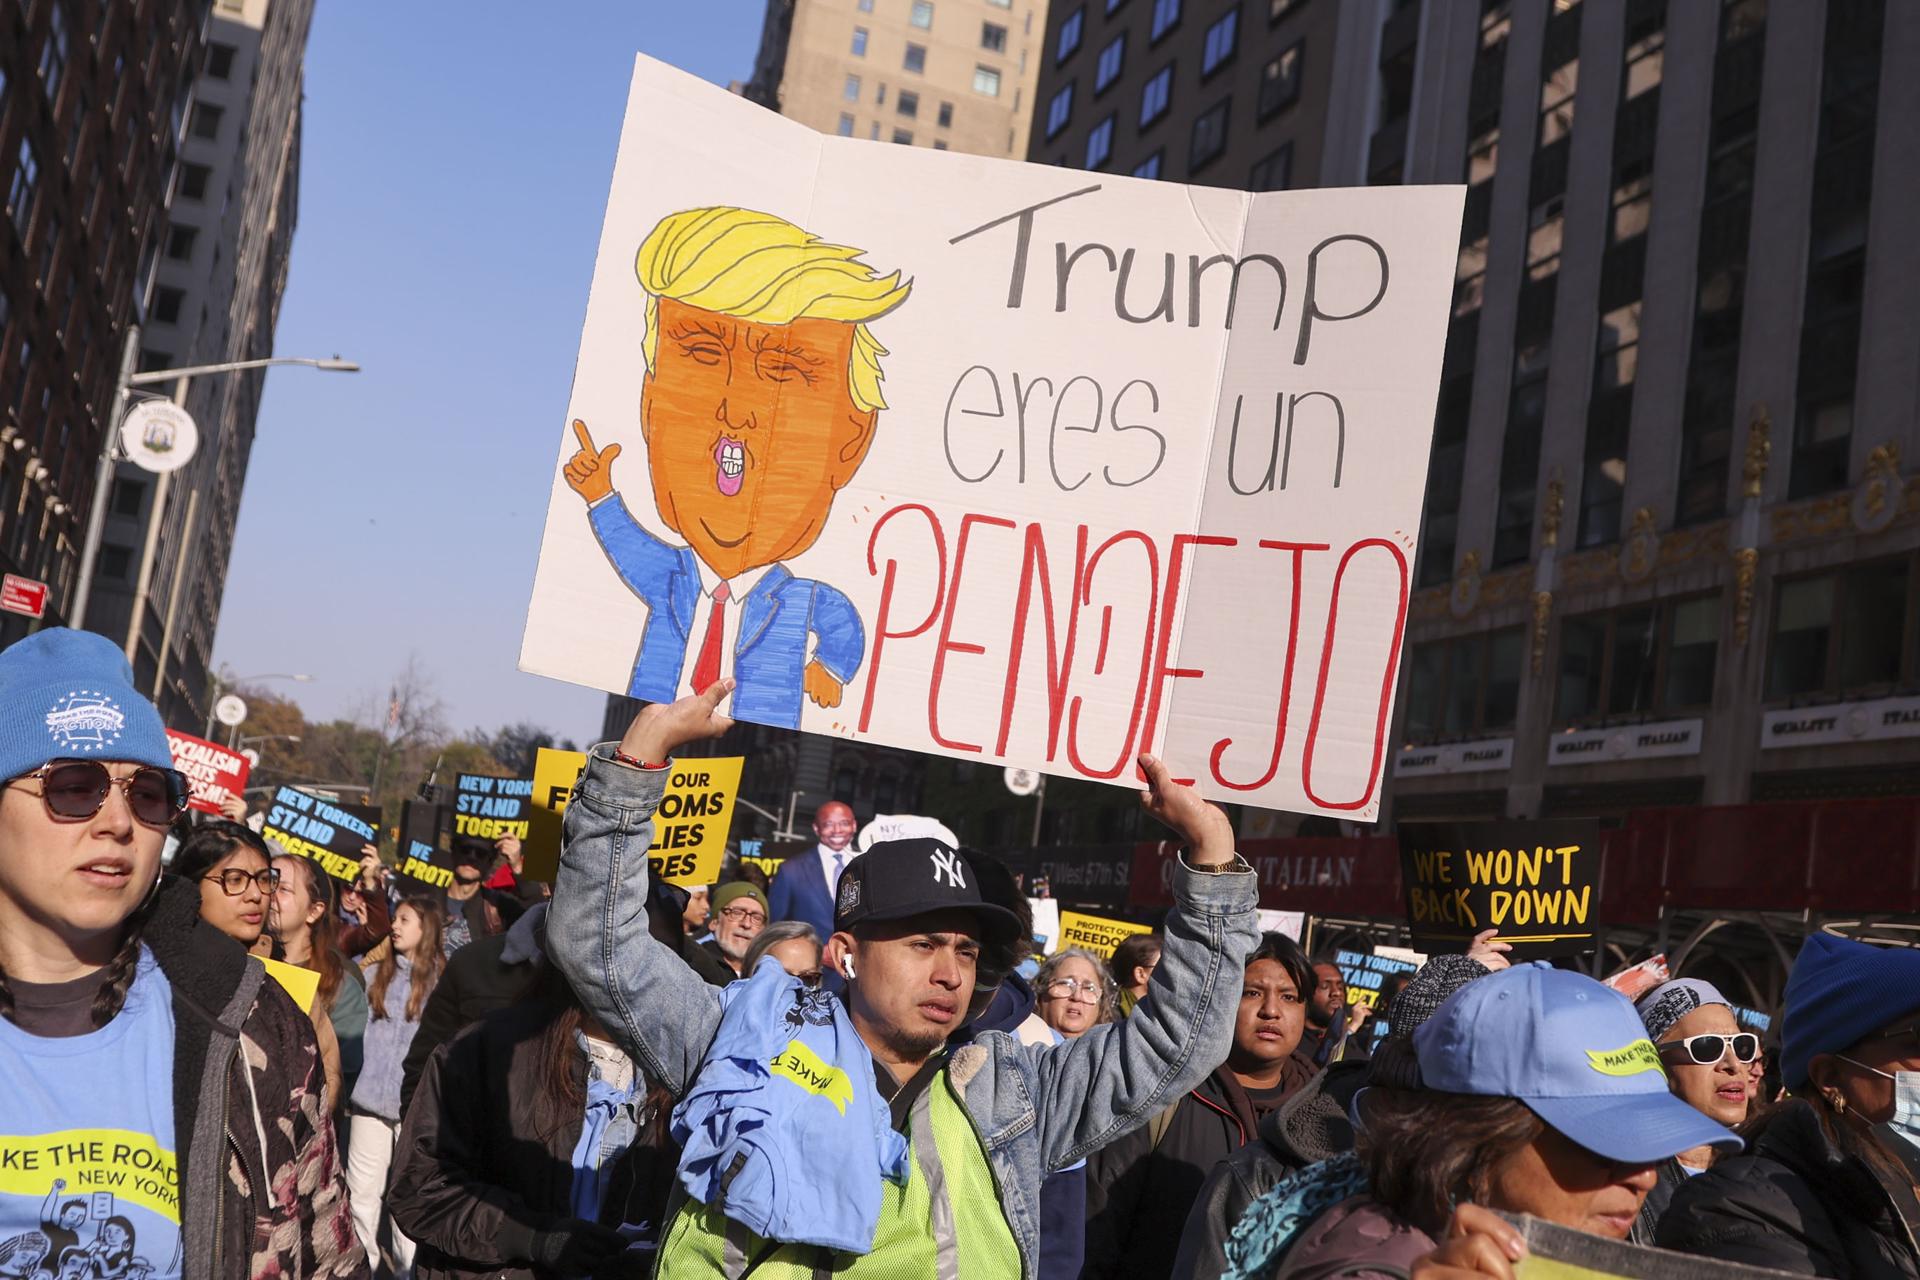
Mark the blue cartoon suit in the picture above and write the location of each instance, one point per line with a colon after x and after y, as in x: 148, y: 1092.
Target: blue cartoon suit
x: 776, y: 619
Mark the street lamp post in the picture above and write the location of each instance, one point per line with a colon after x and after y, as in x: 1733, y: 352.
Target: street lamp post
x: 109, y: 447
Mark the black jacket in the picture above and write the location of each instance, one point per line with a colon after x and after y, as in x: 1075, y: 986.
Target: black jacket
x: 1673, y: 1176
x: 485, y: 1150
x: 486, y: 974
x: 1139, y: 1193
x: 1795, y: 1202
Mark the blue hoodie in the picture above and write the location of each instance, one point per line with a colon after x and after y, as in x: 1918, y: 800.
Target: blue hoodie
x: 771, y: 1131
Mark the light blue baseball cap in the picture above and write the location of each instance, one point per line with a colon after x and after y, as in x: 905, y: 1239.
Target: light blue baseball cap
x: 1574, y: 1051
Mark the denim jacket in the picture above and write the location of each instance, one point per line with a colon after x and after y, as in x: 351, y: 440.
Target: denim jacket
x: 1036, y: 1108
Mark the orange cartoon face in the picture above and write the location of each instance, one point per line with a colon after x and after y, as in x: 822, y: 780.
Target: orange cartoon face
x: 750, y: 431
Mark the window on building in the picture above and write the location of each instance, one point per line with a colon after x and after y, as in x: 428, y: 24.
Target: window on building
x: 126, y: 497
x: 851, y: 89
x: 1209, y: 135
x: 180, y: 238
x: 1556, y: 102
x: 1632, y: 203
x: 1520, y: 456
x: 1100, y: 143
x: 1842, y: 634
x: 866, y: 6
x: 1156, y: 95
x: 986, y: 81
x: 1223, y: 38
x: 193, y: 180
x: 1166, y: 16
x: 916, y: 58
x: 220, y: 60
x: 939, y: 144
x: 846, y: 124
x: 1150, y: 167
x: 880, y: 94
x: 53, y: 54
x: 1646, y: 64
x: 1546, y: 221
x: 116, y: 562
x: 1113, y: 60
x: 166, y: 304
x: 1271, y: 171
x: 993, y: 37
x: 946, y: 115
x: 907, y: 103
x: 1059, y: 109
x: 1280, y: 82
x: 859, y: 42
x: 873, y: 131
x: 921, y: 15
x: 205, y: 121
x: 21, y: 188
x: 903, y: 136
x: 1463, y: 686
x: 1071, y: 28
x: 1640, y: 660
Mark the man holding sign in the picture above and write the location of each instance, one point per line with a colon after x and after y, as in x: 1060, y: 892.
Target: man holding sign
x: 761, y: 398
x: 914, y: 930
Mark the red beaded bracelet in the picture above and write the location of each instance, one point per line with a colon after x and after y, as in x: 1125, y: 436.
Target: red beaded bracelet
x: 623, y: 758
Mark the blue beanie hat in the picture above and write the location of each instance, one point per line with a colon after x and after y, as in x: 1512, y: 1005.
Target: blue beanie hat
x: 1841, y: 991
x: 69, y: 695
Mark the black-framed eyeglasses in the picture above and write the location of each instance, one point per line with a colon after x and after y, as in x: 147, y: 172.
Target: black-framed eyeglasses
x: 75, y: 790
x: 1705, y: 1050
x: 234, y: 881
x: 740, y: 915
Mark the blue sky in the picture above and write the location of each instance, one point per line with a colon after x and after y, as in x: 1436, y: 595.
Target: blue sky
x: 456, y: 161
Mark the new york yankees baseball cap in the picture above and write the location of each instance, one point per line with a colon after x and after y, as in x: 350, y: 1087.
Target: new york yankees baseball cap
x: 898, y: 879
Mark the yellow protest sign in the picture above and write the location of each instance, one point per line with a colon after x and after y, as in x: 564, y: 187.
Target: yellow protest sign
x: 689, y: 828
x: 300, y: 983
x: 1098, y: 934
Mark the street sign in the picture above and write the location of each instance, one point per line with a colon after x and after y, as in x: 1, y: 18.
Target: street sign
x: 23, y: 595
x: 159, y: 436
x: 1023, y: 782
x: 231, y: 710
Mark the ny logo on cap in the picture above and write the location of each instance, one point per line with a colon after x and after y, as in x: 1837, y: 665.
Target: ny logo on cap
x: 946, y: 866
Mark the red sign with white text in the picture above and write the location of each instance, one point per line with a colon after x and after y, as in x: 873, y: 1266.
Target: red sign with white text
x: 23, y: 595
x: 214, y: 774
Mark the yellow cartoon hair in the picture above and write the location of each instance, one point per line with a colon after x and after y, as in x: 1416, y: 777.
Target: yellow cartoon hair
x: 759, y: 267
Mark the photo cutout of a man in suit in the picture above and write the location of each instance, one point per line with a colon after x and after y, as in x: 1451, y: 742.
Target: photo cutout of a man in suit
x: 761, y: 398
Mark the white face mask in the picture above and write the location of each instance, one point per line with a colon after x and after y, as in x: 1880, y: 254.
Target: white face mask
x: 1906, y: 1099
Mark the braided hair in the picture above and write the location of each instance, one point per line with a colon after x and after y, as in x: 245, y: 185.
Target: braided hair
x: 120, y: 970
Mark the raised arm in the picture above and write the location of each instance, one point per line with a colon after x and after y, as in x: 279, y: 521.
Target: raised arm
x: 1116, y: 1077
x: 663, y: 1013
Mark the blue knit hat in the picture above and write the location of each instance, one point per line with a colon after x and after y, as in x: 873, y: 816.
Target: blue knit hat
x: 68, y: 694
x: 1841, y: 991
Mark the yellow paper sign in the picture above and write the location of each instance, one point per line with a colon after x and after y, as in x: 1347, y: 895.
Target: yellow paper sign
x: 689, y: 828
x: 1098, y: 934
x: 300, y: 983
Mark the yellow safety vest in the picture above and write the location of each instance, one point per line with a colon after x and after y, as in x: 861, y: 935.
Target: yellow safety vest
x: 944, y: 1224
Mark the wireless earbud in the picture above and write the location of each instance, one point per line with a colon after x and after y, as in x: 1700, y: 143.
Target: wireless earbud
x: 846, y: 966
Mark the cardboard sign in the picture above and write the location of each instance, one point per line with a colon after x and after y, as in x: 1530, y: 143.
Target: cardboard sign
x: 1367, y: 972
x: 1535, y: 882
x: 689, y: 828
x: 331, y: 834
x: 488, y: 808
x: 1555, y: 1252
x: 1000, y: 461
x: 424, y: 858
x: 299, y: 983
x: 1097, y: 934
x: 215, y: 775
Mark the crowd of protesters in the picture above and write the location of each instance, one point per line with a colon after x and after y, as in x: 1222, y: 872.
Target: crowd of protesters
x: 861, y: 1068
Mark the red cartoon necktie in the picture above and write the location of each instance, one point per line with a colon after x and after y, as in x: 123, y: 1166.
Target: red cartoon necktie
x: 706, y: 669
